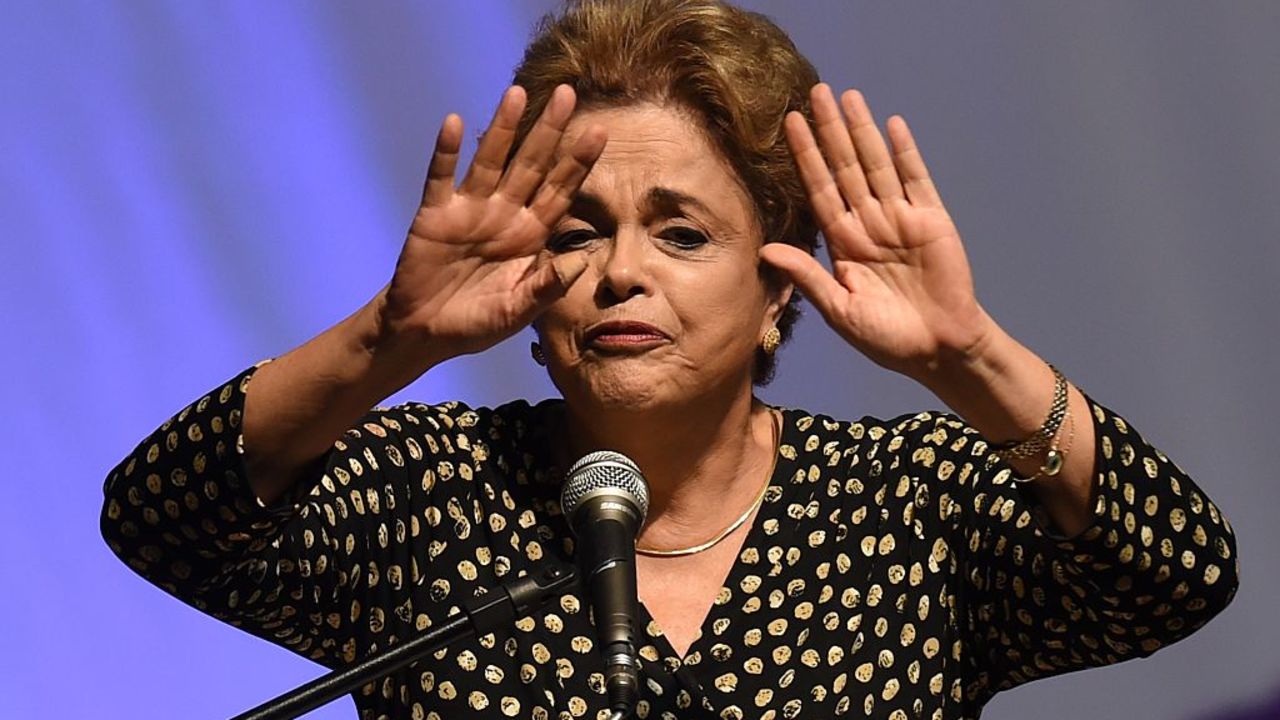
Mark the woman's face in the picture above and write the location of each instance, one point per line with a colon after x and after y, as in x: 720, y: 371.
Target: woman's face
x: 672, y: 305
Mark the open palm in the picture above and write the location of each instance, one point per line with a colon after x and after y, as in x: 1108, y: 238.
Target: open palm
x: 900, y: 289
x: 474, y: 268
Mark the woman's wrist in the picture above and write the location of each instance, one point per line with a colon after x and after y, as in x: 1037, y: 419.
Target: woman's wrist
x: 1006, y: 392
x: 999, y: 386
x: 387, y: 357
x: 296, y: 406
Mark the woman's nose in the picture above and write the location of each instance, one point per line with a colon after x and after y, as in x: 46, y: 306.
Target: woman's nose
x: 623, y: 271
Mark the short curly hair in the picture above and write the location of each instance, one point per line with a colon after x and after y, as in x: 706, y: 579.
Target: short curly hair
x: 733, y: 69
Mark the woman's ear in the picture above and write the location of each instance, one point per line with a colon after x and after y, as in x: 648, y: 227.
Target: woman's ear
x: 779, y: 293
x: 535, y: 346
x: 778, y: 288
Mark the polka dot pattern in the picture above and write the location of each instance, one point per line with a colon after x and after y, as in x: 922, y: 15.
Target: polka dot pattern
x: 895, y: 570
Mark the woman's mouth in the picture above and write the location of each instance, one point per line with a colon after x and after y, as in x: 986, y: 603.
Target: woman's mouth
x: 624, y: 337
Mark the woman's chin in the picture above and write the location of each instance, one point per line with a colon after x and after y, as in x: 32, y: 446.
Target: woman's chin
x: 621, y: 386
x: 630, y: 395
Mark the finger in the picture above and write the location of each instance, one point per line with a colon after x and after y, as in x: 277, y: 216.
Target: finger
x: 486, y: 168
x: 837, y: 145
x: 569, y: 267
x: 444, y: 162
x: 549, y: 278
x: 532, y: 160
x: 911, y: 168
x: 562, y: 183
x: 817, y: 284
x: 872, y: 151
x: 828, y: 206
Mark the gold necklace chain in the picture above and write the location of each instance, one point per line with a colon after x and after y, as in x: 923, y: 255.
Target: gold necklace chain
x: 751, y: 509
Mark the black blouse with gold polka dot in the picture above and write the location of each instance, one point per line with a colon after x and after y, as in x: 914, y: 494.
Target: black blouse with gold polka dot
x: 895, y: 570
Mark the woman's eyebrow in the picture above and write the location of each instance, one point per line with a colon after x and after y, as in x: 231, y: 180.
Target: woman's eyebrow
x: 668, y: 202
x: 658, y: 201
x: 587, y: 206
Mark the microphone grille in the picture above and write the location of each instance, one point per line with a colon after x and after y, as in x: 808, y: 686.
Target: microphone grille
x: 601, y: 471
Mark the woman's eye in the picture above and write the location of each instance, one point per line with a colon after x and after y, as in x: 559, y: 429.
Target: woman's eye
x: 570, y: 240
x: 685, y: 238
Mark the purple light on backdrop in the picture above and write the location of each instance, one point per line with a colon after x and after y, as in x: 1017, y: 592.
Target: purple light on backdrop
x: 172, y: 174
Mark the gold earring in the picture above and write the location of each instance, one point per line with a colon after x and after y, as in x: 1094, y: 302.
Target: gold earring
x: 771, y: 340
x: 536, y: 351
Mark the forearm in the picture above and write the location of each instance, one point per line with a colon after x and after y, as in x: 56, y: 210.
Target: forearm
x: 1156, y: 562
x: 299, y: 404
x: 179, y: 511
x: 1004, y: 391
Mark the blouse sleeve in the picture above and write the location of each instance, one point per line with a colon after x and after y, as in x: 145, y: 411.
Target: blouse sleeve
x: 1156, y: 564
x: 313, y: 573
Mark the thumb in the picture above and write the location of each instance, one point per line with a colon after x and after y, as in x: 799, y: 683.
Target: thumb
x: 569, y: 268
x: 806, y: 273
x: 550, y: 279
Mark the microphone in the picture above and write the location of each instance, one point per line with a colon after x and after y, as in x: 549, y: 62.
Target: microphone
x: 605, y: 499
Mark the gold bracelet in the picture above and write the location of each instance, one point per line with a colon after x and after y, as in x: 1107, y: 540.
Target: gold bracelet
x: 1043, y: 437
x: 1056, y: 458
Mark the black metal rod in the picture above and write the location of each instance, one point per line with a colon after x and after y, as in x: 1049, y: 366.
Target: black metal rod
x: 482, y: 614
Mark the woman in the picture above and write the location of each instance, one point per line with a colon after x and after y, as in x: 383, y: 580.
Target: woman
x: 647, y: 197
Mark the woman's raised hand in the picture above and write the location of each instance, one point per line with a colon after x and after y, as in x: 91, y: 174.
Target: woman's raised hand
x: 900, y: 289
x: 474, y: 269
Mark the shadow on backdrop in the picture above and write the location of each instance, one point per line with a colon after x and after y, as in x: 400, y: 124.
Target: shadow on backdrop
x: 1266, y: 709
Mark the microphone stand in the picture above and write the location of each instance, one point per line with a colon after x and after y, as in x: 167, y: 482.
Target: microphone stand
x: 482, y: 614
